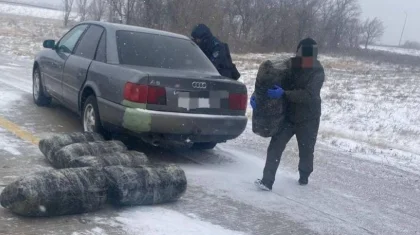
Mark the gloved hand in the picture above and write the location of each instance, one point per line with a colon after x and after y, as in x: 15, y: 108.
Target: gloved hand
x: 275, y: 93
x: 253, y: 102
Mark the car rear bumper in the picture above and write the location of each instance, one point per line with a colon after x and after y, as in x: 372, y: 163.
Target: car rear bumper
x: 198, y: 127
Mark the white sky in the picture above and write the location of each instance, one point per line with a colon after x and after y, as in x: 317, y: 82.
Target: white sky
x: 391, y: 12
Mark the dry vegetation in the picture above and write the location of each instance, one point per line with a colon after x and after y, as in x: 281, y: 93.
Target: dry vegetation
x: 23, y: 36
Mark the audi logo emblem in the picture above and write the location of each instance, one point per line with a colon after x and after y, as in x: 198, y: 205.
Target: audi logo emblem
x: 199, y: 85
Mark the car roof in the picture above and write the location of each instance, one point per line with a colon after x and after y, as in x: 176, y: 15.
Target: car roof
x: 116, y: 27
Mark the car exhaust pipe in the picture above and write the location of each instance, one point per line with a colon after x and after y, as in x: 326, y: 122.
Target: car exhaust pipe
x: 156, y: 143
x: 154, y: 140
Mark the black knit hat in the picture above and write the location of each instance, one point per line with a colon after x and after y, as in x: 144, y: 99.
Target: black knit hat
x: 309, y: 47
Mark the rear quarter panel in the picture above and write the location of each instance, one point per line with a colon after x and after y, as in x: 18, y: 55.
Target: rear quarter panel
x: 108, y: 81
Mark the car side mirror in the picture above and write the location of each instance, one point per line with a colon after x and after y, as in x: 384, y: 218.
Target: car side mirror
x: 50, y: 44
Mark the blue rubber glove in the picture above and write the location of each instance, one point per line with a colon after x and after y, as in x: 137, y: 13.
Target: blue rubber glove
x: 253, y: 102
x: 275, y: 93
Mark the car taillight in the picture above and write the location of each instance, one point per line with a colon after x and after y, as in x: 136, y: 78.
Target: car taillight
x: 156, y: 95
x: 135, y: 93
x: 238, y: 101
x: 145, y: 94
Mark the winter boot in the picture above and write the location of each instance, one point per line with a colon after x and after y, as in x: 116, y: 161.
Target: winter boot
x: 260, y: 185
x: 303, y: 181
x: 304, y: 178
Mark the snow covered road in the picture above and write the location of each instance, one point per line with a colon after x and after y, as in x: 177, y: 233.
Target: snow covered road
x: 346, y: 195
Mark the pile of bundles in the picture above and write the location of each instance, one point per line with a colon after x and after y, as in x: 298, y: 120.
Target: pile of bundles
x: 269, y: 114
x: 90, y: 172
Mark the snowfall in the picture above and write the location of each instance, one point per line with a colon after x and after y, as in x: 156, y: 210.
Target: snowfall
x: 371, y: 113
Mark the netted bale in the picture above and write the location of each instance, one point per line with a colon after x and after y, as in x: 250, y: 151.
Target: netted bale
x: 62, y: 158
x: 269, y: 114
x: 127, y: 159
x: 55, y: 142
x: 56, y: 192
x: 145, y: 185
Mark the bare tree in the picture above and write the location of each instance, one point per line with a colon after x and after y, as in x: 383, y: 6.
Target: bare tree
x: 264, y: 25
x: 183, y: 19
x: 82, y: 9
x: 353, y: 34
x: 97, y: 9
x: 344, y: 11
x: 124, y: 9
x: 306, y: 12
x: 412, y: 45
x: 246, y: 10
x: 67, y: 7
x: 372, y: 30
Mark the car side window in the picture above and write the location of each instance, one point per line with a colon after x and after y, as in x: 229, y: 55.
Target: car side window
x: 101, y: 52
x: 68, y: 42
x: 89, y: 42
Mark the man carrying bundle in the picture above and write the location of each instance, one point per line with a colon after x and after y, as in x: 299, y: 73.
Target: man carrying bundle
x: 301, y: 90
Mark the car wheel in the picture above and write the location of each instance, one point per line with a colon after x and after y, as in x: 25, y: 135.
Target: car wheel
x: 91, y: 119
x: 38, y: 94
x: 204, y: 146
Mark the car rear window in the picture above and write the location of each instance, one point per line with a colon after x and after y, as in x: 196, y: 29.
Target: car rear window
x: 151, y: 50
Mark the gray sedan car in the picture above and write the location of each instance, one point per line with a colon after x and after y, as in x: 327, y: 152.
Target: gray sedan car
x: 152, y: 84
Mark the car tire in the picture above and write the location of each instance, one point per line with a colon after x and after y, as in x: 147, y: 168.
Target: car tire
x: 204, y: 146
x: 38, y: 93
x: 91, y: 120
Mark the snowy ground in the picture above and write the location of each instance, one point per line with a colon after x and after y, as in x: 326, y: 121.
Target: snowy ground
x: 366, y: 179
x: 16, y: 9
x: 397, y: 50
x: 23, y: 36
x: 49, y: 4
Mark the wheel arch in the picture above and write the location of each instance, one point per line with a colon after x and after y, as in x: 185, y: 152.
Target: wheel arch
x: 87, y: 91
x: 36, y: 66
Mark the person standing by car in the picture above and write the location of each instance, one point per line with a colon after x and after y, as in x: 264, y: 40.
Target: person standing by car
x: 217, y: 51
x: 301, y: 89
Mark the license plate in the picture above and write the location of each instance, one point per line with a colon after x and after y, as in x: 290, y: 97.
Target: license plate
x: 201, y: 100
x: 188, y: 102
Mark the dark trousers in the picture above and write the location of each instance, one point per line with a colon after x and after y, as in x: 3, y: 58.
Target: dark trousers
x: 306, y: 135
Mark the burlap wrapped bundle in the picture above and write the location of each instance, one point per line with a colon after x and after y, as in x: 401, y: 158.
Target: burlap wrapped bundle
x: 127, y: 159
x: 55, y: 142
x: 56, y: 192
x: 269, y: 114
x: 62, y: 158
x: 145, y: 185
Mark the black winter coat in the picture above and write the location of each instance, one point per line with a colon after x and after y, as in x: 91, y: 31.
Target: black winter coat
x: 302, y: 91
x: 216, y: 51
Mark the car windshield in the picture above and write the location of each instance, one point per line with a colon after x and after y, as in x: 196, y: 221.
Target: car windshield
x: 152, y: 50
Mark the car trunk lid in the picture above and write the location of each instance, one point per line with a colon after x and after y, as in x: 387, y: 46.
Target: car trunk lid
x: 195, y: 92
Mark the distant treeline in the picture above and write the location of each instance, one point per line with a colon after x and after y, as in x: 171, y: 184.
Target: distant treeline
x: 248, y: 25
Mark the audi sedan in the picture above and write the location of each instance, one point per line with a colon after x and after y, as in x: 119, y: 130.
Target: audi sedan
x: 152, y: 84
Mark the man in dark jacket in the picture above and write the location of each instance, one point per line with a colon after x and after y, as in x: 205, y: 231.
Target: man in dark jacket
x: 301, y: 88
x: 216, y: 51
